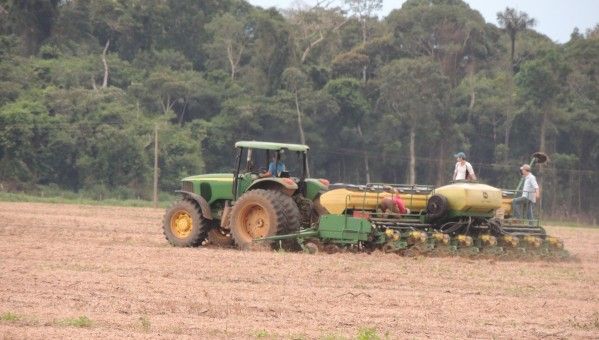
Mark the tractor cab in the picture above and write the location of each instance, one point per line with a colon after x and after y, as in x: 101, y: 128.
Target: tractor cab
x: 269, y: 165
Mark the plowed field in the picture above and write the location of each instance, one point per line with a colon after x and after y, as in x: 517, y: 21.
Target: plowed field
x: 69, y: 271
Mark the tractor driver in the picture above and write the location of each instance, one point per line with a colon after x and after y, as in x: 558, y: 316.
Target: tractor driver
x: 275, y: 167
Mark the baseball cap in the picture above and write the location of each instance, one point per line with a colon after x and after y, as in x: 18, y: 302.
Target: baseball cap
x: 460, y: 155
x: 525, y: 167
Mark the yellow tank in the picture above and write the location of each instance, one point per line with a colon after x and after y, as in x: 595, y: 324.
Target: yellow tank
x: 464, y: 197
x: 506, y: 206
x: 471, y: 197
x: 337, y: 200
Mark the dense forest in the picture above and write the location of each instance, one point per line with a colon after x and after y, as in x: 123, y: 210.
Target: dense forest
x: 84, y: 83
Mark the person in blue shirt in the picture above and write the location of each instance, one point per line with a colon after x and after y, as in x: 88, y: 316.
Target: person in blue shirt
x: 275, y: 167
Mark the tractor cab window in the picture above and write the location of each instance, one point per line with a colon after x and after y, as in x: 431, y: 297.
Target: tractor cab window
x: 255, y: 161
x: 293, y: 161
x: 276, y: 163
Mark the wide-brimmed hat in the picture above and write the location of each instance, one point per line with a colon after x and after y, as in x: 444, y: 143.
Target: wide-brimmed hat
x: 460, y: 155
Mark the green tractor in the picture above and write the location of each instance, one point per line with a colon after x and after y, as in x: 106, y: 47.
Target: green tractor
x: 225, y: 208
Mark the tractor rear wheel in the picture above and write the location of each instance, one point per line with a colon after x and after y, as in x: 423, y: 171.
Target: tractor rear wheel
x: 262, y: 213
x: 183, y: 224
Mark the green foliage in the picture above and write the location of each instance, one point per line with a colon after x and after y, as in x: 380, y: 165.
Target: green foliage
x: 412, y: 91
x: 42, y: 195
x: 145, y: 323
x: 209, y: 73
x: 80, y: 322
x: 352, y: 103
x: 368, y: 334
x: 349, y: 64
x: 181, y: 154
x: 24, y: 126
x: 540, y: 80
x: 8, y: 316
x: 230, y: 40
x: 271, y: 48
x: 447, y: 31
x: 514, y: 22
x: 262, y: 334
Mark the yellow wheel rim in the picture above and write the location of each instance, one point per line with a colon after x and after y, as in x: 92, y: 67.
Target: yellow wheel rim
x: 255, y: 221
x: 181, y: 224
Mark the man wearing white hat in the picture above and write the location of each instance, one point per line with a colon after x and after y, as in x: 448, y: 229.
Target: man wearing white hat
x: 530, y: 194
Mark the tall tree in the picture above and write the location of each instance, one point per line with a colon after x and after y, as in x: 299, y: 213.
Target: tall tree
x: 413, y: 91
x: 312, y: 26
x: 271, y: 50
x: 448, y: 31
x: 541, y: 86
x: 294, y: 80
x: 170, y: 91
x: 490, y: 110
x: 364, y: 9
x: 31, y: 20
x: 514, y: 22
x: 230, y: 40
x: 354, y: 108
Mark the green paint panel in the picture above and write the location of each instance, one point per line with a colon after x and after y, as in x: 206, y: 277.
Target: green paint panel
x: 244, y: 183
x: 344, y: 228
x: 313, y: 187
x: 212, y: 187
x: 219, y: 191
x: 219, y: 176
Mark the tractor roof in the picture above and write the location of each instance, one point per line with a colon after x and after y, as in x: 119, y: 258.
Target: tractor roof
x: 271, y: 146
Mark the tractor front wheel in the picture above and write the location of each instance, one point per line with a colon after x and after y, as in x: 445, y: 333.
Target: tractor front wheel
x: 183, y: 224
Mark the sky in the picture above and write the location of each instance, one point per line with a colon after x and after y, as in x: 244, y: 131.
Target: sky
x: 555, y: 18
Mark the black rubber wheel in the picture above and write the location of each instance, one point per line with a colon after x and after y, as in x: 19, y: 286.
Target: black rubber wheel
x: 293, y: 222
x: 437, y: 207
x: 262, y: 213
x: 183, y: 224
x: 291, y: 212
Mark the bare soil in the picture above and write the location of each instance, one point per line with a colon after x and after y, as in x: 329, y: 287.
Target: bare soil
x: 112, y: 266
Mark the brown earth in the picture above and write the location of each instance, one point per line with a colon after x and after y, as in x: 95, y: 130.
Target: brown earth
x: 113, y: 266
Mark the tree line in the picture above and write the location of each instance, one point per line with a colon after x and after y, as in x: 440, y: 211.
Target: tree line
x: 83, y: 83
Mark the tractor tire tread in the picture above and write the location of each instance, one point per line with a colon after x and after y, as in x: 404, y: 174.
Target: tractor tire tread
x: 279, y: 205
x: 200, y: 225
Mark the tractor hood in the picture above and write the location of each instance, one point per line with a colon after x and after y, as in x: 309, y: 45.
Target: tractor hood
x: 212, y: 187
x: 220, y: 177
